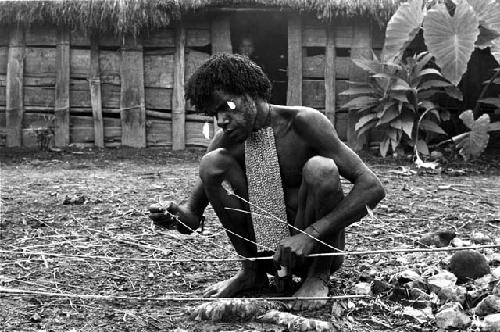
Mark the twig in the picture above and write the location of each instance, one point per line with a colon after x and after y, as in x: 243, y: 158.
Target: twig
x: 23, y: 292
x: 190, y: 260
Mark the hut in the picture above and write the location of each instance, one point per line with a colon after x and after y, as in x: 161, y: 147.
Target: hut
x: 112, y: 72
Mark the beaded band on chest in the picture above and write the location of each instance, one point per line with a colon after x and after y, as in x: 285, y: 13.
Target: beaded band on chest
x: 265, y: 188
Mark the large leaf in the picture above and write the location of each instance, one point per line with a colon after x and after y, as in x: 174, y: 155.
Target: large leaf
x: 384, y: 146
x: 494, y: 126
x: 364, y: 120
x: 433, y: 84
x: 389, y: 115
x: 360, y: 102
x: 369, y: 65
x: 402, y: 28
x: 473, y: 143
x: 495, y: 49
x: 357, y: 90
x: 451, y: 38
x: 491, y: 101
x: 422, y: 147
x: 467, y: 118
x: 429, y: 125
x: 488, y: 12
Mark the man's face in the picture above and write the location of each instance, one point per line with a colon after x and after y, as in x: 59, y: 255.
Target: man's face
x: 235, y: 114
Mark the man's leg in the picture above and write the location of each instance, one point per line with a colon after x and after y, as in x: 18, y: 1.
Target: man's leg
x: 215, y: 168
x: 320, y: 192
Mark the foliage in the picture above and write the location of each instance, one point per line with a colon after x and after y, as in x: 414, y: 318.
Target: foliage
x: 395, y: 97
x: 473, y: 142
x: 451, y: 31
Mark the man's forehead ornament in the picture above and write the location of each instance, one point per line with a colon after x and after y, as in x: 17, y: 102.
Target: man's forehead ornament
x: 231, y: 105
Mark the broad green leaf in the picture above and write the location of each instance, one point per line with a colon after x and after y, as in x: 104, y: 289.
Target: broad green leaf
x: 488, y: 13
x: 400, y: 85
x: 422, y: 61
x: 486, y: 38
x: 454, y: 92
x: 474, y: 143
x: 364, y: 120
x: 429, y: 125
x: 427, y: 105
x: 366, y: 127
x: 494, y: 126
x: 433, y: 84
x: 422, y: 147
x: 429, y: 71
x: 384, y: 146
x: 402, y: 28
x: 451, y: 38
x: 388, y: 116
x: 354, y: 91
x: 392, y: 134
x: 394, y: 144
x: 467, y: 118
x: 360, y: 102
x: 369, y: 65
x: 407, y: 122
x: 491, y: 101
x: 400, y: 96
x: 495, y: 49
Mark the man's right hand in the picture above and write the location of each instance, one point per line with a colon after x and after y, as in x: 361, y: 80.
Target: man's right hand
x: 170, y: 215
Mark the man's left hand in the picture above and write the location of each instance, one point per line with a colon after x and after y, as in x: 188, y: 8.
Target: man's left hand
x: 292, y: 251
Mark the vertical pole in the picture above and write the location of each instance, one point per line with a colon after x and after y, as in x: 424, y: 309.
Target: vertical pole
x: 361, y: 47
x: 178, y: 103
x: 61, y: 129
x: 132, y: 98
x: 14, y: 89
x: 220, y: 35
x: 294, y: 92
x: 95, y: 92
x: 330, y: 56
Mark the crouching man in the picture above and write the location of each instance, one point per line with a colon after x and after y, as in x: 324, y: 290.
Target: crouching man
x: 271, y: 156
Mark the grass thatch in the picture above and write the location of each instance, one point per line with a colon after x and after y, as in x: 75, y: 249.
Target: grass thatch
x: 135, y: 16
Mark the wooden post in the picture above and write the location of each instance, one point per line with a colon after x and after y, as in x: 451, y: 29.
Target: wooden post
x: 220, y: 35
x: 14, y: 89
x: 178, y: 103
x: 132, y: 105
x: 294, y: 92
x: 330, y: 56
x: 61, y: 111
x: 361, y: 47
x: 95, y: 92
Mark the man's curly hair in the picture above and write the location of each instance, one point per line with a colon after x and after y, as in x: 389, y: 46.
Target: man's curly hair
x: 231, y: 73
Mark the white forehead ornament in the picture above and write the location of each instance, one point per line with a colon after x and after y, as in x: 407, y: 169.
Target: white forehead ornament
x: 231, y: 105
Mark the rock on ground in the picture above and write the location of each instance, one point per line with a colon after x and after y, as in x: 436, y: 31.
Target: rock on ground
x: 491, y: 323
x: 452, y: 315
x: 488, y: 305
x: 468, y: 265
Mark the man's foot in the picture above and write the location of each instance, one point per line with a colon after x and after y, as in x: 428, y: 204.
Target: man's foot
x: 240, y: 282
x: 313, y: 286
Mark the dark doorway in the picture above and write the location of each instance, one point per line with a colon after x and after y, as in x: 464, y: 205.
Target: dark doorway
x: 262, y: 36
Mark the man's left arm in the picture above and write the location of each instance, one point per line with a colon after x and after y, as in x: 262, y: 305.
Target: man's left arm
x: 319, y: 133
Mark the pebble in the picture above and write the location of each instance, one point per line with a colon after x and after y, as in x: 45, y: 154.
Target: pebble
x: 489, y: 305
x: 480, y: 238
x: 452, y: 315
x: 458, y: 243
x: 491, y: 323
x: 362, y: 288
x: 380, y: 286
x: 439, y: 239
x: 496, y: 272
x: 419, y: 315
x: 407, y: 276
x: 468, y: 265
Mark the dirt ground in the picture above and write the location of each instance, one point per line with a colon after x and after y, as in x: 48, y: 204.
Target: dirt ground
x: 116, y: 186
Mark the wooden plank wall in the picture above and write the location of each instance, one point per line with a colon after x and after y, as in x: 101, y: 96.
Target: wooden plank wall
x: 76, y: 87
x: 327, y: 50
x: 97, y: 87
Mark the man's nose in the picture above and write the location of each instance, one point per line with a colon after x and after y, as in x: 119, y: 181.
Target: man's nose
x: 222, y: 120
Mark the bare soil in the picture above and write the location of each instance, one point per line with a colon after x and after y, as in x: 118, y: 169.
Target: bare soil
x: 118, y: 185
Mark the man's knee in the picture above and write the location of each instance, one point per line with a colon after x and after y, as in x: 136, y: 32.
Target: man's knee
x: 320, y: 171
x: 214, y: 165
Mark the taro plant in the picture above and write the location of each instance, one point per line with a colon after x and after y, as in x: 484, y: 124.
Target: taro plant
x: 397, y: 99
x: 452, y: 29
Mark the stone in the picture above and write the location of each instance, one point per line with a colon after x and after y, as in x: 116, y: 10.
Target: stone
x: 407, y: 276
x: 496, y: 272
x: 362, y: 288
x: 480, y: 238
x: 441, y: 280
x: 419, y: 295
x: 419, y: 315
x: 468, y: 265
x: 458, y: 243
x: 452, y: 315
x: 443, y: 284
x: 489, y: 305
x: 380, y: 286
x: 491, y: 323
x: 439, y: 239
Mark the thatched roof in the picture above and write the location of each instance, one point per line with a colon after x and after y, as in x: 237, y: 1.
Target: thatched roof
x: 135, y: 16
